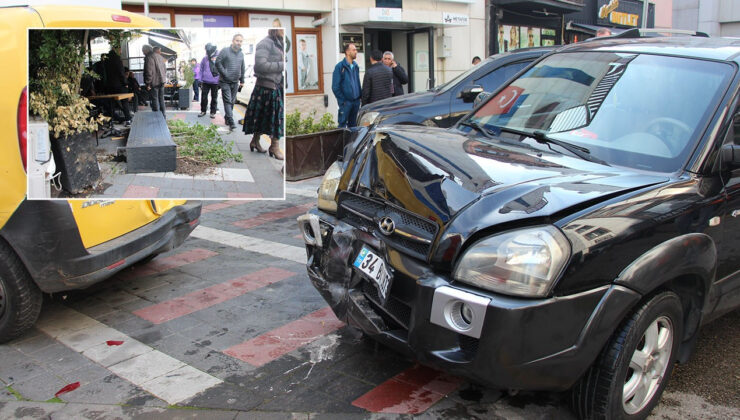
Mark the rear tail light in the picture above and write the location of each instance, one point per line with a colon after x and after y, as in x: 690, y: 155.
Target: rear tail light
x: 23, y: 126
x: 121, y: 18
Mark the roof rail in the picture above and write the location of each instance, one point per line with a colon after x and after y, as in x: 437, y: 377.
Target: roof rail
x: 643, y: 33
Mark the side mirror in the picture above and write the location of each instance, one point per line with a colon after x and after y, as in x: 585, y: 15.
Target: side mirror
x: 481, y: 98
x: 469, y: 93
x: 730, y: 155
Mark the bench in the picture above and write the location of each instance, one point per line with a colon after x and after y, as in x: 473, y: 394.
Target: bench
x: 150, y: 147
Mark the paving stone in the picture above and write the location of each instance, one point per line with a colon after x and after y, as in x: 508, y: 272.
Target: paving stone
x: 29, y: 410
x: 227, y: 396
x: 40, y: 387
x: 33, y: 344
x: 6, y: 395
x: 180, y: 384
x: 17, y: 367
x: 59, y: 359
x: 262, y: 415
x: 108, y: 389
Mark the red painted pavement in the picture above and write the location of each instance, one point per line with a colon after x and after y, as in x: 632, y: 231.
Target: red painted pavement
x: 140, y: 191
x: 204, y: 298
x: 270, y: 346
x: 162, y: 264
x: 412, y: 391
x: 275, y: 215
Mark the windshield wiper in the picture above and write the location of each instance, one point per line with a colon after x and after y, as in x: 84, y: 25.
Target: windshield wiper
x: 478, y: 127
x: 543, y: 138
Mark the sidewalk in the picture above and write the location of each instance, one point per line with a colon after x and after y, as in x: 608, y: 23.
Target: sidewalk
x: 257, y: 176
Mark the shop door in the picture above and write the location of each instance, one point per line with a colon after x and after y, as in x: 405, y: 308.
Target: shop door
x: 421, y: 59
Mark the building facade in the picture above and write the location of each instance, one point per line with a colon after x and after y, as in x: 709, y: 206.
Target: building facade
x: 715, y: 17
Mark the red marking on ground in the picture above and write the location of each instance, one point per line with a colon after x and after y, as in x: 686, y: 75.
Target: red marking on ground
x: 166, y: 263
x: 412, y: 391
x: 67, y: 388
x: 243, y: 195
x: 299, y: 236
x: 275, y: 215
x: 204, y: 298
x: 219, y: 120
x: 114, y: 342
x: 269, y: 346
x: 140, y: 191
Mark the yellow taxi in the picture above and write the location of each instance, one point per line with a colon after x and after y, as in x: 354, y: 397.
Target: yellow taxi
x: 57, y: 245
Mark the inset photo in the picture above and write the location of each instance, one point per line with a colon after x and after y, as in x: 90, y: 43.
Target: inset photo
x: 156, y: 113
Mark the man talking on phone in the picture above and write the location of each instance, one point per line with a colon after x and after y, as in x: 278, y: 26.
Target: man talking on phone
x: 400, y: 77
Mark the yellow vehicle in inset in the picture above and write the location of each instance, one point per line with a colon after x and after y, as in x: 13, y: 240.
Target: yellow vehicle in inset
x: 57, y: 245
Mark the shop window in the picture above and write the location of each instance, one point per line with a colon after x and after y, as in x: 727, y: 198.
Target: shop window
x: 395, y: 4
x: 308, y: 74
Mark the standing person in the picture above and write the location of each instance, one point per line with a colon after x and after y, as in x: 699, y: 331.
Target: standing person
x: 378, y: 81
x: 155, y: 75
x: 230, y: 65
x: 196, y: 78
x: 116, y: 80
x: 345, y: 83
x: 209, y: 80
x: 265, y: 110
x: 400, y: 77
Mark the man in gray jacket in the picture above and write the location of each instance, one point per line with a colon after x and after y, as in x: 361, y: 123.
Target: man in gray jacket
x: 230, y: 66
x: 155, y: 76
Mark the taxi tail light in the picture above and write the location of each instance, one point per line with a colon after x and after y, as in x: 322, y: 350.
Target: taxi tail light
x: 121, y: 18
x: 22, y: 124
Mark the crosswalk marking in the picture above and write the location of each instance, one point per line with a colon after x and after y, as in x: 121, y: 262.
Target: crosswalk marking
x: 251, y: 244
x: 142, y: 365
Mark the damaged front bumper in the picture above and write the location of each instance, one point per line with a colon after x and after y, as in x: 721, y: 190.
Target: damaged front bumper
x: 497, y: 340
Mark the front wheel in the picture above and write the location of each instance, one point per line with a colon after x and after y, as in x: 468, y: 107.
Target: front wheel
x: 628, y: 377
x: 20, y: 298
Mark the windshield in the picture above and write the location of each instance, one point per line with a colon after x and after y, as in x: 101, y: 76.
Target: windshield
x: 641, y: 111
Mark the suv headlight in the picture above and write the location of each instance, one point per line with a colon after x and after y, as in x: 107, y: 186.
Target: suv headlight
x: 523, y: 262
x: 328, y: 188
x: 368, y: 118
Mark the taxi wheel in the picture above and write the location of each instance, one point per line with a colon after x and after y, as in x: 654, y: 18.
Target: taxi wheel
x: 20, y: 298
x: 628, y: 378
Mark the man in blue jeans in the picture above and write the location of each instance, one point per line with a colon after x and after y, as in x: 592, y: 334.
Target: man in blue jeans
x: 346, y: 87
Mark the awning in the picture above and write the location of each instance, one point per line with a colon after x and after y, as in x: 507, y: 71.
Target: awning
x: 590, y: 29
x: 166, y: 52
x: 541, y: 7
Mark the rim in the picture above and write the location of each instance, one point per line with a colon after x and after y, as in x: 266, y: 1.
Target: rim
x: 648, y: 365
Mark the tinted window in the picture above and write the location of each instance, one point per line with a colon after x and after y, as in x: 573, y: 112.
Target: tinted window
x: 496, y: 78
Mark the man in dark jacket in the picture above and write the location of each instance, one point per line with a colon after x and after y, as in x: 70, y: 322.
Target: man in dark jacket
x: 116, y: 81
x: 345, y: 83
x: 230, y: 65
x: 400, y: 77
x: 378, y: 81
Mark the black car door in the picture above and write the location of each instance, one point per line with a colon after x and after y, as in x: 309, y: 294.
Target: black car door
x: 490, y: 81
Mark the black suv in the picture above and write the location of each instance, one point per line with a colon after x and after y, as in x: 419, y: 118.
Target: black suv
x: 445, y: 104
x: 573, y: 232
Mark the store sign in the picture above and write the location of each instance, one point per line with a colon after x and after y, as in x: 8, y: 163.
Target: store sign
x: 204, y: 21
x: 455, y: 19
x: 619, y: 12
x: 163, y: 18
x: 384, y: 14
x: 351, y: 38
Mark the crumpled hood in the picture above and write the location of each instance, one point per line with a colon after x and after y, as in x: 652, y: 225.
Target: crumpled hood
x: 437, y: 173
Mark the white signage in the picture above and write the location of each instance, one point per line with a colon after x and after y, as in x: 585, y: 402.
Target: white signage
x: 384, y: 14
x: 455, y: 19
x: 163, y: 18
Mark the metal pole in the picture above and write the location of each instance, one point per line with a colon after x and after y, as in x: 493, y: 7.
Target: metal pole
x: 146, y: 8
x: 336, y: 26
x: 644, y: 13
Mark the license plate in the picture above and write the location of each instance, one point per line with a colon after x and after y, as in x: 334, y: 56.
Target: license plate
x: 374, y: 267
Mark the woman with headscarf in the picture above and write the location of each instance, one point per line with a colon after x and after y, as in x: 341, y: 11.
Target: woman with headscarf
x: 265, y: 110
x: 209, y: 81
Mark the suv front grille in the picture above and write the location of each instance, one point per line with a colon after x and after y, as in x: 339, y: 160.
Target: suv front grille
x: 413, y: 235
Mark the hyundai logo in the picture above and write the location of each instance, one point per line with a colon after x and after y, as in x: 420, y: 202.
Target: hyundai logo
x: 386, y: 225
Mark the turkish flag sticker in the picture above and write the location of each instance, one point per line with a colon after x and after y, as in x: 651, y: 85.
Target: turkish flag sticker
x: 503, y: 102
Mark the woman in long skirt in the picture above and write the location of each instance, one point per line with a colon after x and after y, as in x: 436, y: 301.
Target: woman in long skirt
x: 265, y: 112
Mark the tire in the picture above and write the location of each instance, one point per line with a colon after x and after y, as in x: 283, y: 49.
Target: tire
x: 656, y: 325
x: 20, y: 298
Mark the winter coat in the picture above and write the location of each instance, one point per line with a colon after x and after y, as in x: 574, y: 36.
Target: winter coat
x: 206, y: 75
x: 114, y: 75
x: 376, y: 84
x: 230, y: 65
x: 345, y: 82
x: 400, y: 78
x: 155, y: 70
x: 269, y: 61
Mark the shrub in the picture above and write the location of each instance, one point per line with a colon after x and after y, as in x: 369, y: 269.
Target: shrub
x: 295, y: 126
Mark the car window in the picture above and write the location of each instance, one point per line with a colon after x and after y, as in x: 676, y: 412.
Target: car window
x: 496, y: 78
x: 454, y: 82
x: 638, y: 110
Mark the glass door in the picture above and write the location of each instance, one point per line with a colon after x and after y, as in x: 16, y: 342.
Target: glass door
x: 421, y: 59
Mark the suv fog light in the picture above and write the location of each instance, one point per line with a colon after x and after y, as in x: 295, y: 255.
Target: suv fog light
x: 309, y: 225
x: 459, y: 311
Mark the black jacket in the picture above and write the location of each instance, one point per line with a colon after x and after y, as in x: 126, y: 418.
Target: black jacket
x: 400, y: 78
x: 115, y: 76
x: 376, y: 84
